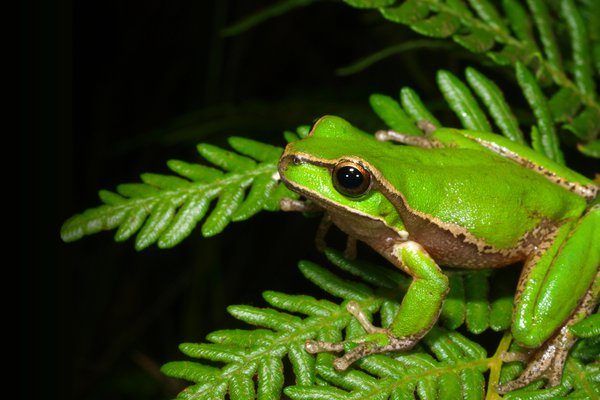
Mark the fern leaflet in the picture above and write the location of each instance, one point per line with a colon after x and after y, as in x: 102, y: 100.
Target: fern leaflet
x: 445, y: 365
x: 164, y: 209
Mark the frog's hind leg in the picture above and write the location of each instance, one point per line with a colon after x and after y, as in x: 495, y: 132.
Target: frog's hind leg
x: 549, y: 361
x: 558, y: 287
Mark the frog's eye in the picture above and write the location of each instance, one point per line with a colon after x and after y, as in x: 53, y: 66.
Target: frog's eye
x: 351, y: 179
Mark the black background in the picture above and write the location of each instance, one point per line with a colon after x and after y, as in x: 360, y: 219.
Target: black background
x: 113, y: 89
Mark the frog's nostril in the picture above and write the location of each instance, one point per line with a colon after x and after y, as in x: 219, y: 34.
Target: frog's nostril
x: 296, y: 160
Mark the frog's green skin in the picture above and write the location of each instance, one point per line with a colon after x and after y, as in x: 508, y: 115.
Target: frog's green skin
x: 459, y: 199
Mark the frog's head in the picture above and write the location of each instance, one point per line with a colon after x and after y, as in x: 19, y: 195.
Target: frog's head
x: 332, y: 168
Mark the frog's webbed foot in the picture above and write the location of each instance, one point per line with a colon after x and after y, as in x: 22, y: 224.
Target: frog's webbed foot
x: 377, y: 340
x: 546, y: 362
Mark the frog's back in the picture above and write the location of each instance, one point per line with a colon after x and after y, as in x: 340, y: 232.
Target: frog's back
x: 494, y: 198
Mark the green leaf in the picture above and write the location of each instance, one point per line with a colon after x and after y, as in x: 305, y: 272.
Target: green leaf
x: 494, y: 100
x: 229, y: 201
x: 488, y: 13
x: 271, y: 202
x: 371, y: 273
x: 510, y: 55
x: 139, y: 190
x: 412, y: 104
x: 303, y: 365
x: 591, y: 149
x: 392, y: 114
x: 440, y: 25
x: 477, y: 292
x: 477, y: 40
x: 462, y: 102
x: 502, y: 304
x: 264, y: 317
x: 564, y: 104
x: 258, y: 151
x: 242, y: 387
x: 580, y: 47
x: 300, y: 304
x: 302, y: 392
x: 270, y: 378
x: 190, y: 371
x: 446, y: 364
x: 520, y: 22
x: 261, y: 189
x: 587, y: 328
x: 544, y: 23
x: 159, y: 218
x: 227, y: 160
x: 164, y: 181
x: 596, y: 56
x: 241, y: 337
x: 192, y: 211
x: 453, y: 309
x: 331, y: 284
x: 369, y: 3
x: 450, y: 387
x: 586, y: 125
x: 131, y: 224
x: 111, y: 198
x: 303, y: 131
x: 548, y: 139
x: 290, y: 136
x: 408, y: 12
x: 92, y: 221
x: 214, y: 352
x: 194, y: 172
x: 165, y: 209
x: 536, y: 140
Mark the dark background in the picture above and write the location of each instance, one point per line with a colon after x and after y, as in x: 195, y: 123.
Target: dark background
x: 113, y: 89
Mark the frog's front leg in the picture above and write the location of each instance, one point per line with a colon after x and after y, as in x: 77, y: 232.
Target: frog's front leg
x: 558, y: 287
x: 418, y: 312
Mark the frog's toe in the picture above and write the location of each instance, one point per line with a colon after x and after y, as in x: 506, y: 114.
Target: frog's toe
x: 381, y: 342
x: 360, y: 351
x: 548, y: 362
x: 317, y: 346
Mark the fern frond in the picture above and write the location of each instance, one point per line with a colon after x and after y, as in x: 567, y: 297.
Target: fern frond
x: 445, y: 365
x: 537, y: 101
x: 481, y: 28
x: 393, y: 115
x: 509, y: 37
x: 493, y: 98
x: 164, y: 209
x: 464, y: 100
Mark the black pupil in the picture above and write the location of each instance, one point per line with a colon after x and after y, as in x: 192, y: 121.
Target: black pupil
x: 350, y: 177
